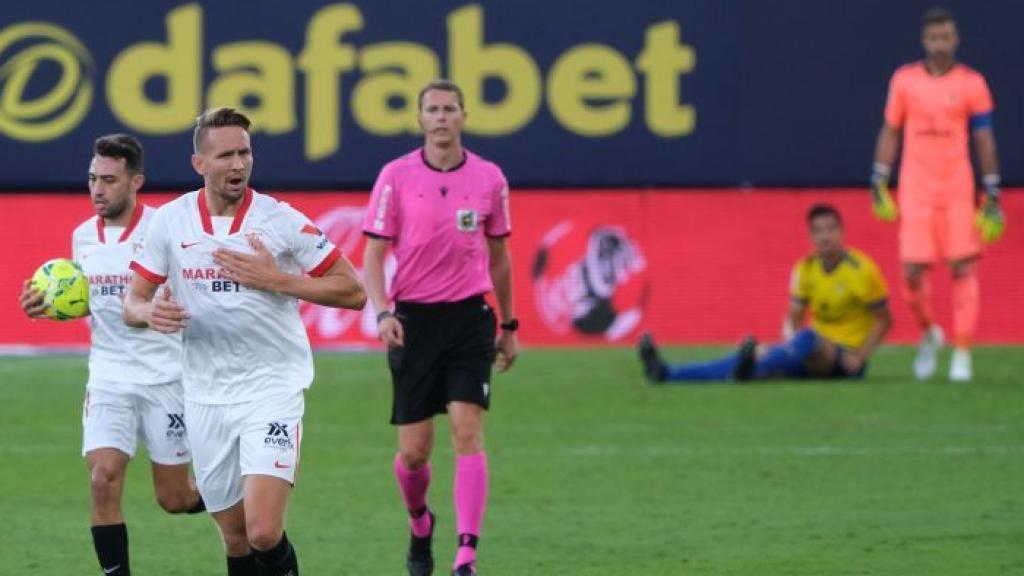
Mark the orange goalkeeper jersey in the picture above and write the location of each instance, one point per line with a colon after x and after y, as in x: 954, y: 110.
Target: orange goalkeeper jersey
x: 935, y: 113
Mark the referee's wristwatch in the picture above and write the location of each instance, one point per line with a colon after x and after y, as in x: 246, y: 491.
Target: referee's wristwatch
x: 510, y: 326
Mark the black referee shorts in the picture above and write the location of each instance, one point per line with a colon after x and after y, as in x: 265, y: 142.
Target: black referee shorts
x: 448, y: 352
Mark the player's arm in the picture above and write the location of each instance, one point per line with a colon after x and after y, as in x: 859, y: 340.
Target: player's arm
x: 991, y: 219
x: 373, y: 272
x: 985, y: 145
x: 887, y: 145
x: 507, y: 343
x: 338, y: 286
x: 883, y: 321
x: 389, y: 328
x: 141, y: 309
x: 794, y: 317
x: 885, y: 150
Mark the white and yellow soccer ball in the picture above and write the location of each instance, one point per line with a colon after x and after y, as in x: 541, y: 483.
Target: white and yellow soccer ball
x: 65, y: 289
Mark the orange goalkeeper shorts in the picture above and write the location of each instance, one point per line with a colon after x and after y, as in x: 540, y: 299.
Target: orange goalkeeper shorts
x: 933, y: 229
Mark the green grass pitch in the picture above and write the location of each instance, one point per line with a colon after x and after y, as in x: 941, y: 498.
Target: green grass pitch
x: 592, y: 472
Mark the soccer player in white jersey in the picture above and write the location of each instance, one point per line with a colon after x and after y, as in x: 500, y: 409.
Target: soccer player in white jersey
x: 235, y: 264
x: 134, y: 388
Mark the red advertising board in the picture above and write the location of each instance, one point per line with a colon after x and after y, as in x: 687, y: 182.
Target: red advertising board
x: 590, y: 267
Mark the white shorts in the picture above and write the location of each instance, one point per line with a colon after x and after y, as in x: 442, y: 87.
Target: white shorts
x: 117, y: 414
x: 231, y: 441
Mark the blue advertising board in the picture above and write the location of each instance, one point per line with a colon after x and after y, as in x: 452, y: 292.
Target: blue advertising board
x: 564, y: 94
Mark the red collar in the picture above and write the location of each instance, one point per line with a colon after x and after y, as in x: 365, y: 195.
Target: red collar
x: 136, y: 216
x: 236, y: 224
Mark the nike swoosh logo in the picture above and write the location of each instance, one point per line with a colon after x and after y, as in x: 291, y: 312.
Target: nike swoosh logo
x: 279, y: 465
x: 188, y: 245
x: 181, y: 453
x: 111, y: 570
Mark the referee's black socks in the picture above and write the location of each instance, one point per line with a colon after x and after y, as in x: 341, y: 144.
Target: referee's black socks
x: 279, y: 560
x: 111, y: 542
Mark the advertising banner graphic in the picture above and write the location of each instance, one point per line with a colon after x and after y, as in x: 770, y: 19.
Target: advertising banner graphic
x: 653, y: 93
x: 591, y: 268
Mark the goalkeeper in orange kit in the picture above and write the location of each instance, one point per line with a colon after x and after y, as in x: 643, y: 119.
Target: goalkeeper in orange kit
x: 938, y: 105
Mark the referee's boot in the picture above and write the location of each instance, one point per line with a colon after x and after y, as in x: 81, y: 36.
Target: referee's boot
x: 654, y: 368
x: 420, y: 560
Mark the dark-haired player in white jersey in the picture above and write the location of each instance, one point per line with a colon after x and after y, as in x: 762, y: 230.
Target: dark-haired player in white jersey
x: 134, y: 388
x: 236, y: 263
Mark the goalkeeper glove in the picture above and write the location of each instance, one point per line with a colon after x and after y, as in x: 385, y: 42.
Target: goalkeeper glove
x: 881, y: 200
x: 990, y: 219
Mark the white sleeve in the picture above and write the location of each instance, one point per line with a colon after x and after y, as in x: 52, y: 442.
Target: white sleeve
x: 314, y: 252
x: 76, y: 248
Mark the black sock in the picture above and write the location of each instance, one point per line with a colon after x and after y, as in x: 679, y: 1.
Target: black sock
x: 470, y: 540
x: 111, y: 542
x: 242, y: 565
x: 199, y: 507
x: 279, y: 560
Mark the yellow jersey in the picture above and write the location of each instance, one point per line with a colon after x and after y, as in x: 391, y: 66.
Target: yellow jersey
x: 842, y: 300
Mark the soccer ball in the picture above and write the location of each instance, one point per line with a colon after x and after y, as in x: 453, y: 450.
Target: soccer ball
x: 65, y: 289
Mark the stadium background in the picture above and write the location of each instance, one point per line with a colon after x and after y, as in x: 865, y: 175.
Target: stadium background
x: 661, y: 157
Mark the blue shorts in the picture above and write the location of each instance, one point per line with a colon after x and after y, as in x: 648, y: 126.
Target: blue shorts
x: 811, y: 338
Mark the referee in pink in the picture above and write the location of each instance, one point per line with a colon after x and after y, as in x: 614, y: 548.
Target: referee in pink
x: 444, y: 212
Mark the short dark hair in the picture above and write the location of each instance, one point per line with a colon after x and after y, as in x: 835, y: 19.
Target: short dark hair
x: 936, y: 15
x: 217, y: 118
x: 445, y: 85
x: 121, y: 146
x: 819, y: 210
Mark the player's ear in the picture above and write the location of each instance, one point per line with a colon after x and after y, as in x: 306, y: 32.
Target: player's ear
x: 197, y: 164
x: 137, y: 181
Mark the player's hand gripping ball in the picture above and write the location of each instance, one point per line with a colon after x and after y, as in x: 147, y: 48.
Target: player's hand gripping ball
x: 64, y: 287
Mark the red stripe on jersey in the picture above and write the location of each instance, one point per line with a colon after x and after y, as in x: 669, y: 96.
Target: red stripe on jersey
x: 136, y: 216
x: 204, y: 213
x: 148, y: 275
x: 310, y: 229
x: 326, y: 263
x: 236, y: 223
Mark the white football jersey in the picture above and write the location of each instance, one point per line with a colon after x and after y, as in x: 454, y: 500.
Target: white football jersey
x: 240, y: 344
x: 120, y: 353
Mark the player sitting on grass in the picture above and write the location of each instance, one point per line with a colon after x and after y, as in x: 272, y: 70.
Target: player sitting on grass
x: 848, y: 299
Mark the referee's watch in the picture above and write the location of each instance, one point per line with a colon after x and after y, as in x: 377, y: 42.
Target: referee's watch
x: 510, y: 326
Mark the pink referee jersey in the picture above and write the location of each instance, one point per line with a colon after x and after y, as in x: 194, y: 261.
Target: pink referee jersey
x: 438, y: 222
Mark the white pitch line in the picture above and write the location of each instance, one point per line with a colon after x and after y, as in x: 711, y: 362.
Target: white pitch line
x: 805, y: 451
